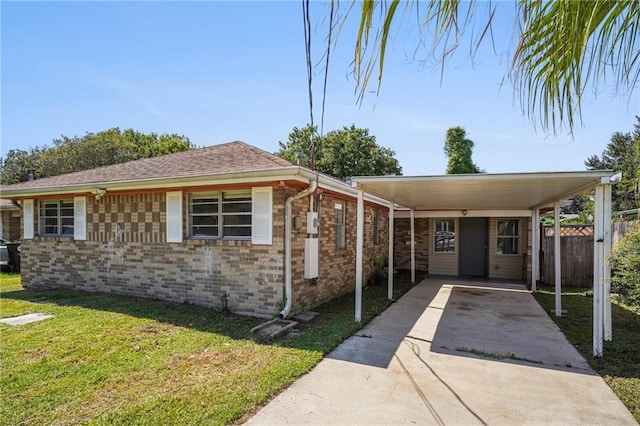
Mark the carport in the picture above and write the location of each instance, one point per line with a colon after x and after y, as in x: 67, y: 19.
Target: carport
x: 514, y: 195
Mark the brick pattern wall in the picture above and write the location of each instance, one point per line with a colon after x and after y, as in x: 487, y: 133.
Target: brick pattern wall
x: 125, y: 253
x: 132, y: 217
x: 402, y: 250
x: 120, y: 257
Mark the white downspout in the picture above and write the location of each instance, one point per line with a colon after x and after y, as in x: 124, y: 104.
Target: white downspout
x: 287, y: 246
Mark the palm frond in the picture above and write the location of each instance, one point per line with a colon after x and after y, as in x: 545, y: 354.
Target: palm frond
x: 564, y: 47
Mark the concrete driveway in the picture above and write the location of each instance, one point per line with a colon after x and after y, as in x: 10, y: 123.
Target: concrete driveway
x: 452, y: 352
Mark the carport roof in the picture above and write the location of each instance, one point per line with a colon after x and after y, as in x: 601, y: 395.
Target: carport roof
x: 482, y: 191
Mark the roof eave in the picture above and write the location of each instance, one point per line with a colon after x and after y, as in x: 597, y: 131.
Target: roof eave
x: 288, y: 173
x: 251, y: 176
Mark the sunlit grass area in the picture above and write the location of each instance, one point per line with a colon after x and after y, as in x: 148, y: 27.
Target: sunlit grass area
x: 121, y: 360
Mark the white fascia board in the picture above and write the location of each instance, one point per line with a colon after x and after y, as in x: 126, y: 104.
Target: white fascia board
x: 250, y: 177
x: 405, y: 214
x: 336, y: 185
x: 484, y: 176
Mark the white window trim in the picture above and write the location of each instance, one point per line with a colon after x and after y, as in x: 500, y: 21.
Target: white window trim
x: 433, y: 239
x: 498, y: 236
x: 80, y: 218
x: 28, y: 219
x: 58, y: 216
x: 343, y: 229
x: 262, y: 215
x: 174, y: 216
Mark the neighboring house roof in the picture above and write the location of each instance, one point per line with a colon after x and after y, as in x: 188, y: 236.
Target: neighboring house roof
x: 218, y: 159
x: 7, y: 204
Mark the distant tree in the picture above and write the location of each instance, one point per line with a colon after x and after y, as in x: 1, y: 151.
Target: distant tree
x: 622, y: 154
x: 459, y: 150
x: 350, y: 151
x: 92, y: 150
x: 19, y: 165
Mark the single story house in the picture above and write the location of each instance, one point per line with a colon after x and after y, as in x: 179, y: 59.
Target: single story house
x: 235, y: 227
x: 228, y: 226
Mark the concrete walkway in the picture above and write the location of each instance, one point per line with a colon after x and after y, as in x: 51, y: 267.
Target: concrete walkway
x: 452, y: 352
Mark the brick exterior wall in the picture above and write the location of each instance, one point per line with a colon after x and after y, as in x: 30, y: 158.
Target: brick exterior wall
x: 337, y: 267
x: 402, y: 250
x: 126, y: 253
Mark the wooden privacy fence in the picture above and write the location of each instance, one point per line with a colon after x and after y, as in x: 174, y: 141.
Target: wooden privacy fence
x: 576, y: 252
x: 621, y: 228
x: 576, y: 255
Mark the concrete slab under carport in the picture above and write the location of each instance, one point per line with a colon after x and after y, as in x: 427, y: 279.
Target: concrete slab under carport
x: 442, y: 355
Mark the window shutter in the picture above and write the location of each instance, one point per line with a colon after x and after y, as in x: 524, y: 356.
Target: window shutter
x: 262, y: 215
x: 27, y: 212
x: 80, y: 218
x: 174, y: 217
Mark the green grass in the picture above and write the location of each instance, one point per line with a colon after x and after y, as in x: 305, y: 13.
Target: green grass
x: 620, y: 365
x: 106, y: 359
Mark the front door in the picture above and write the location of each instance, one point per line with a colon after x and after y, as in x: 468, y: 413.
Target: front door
x: 473, y: 237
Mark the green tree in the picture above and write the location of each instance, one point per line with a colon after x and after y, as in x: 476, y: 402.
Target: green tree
x: 561, y: 47
x: 20, y: 166
x: 621, y: 154
x: 72, y: 154
x: 459, y: 150
x: 350, y: 151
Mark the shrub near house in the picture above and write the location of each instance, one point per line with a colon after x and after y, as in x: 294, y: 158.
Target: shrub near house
x: 625, y: 261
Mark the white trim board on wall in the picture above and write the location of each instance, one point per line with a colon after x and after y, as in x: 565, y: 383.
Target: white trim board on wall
x: 405, y: 214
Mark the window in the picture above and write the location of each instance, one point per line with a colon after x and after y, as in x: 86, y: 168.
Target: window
x: 376, y: 227
x: 445, y: 236
x: 225, y: 214
x: 56, y: 217
x: 508, y: 239
x: 340, y: 239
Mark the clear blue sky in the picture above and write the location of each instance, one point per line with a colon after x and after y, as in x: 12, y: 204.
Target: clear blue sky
x: 218, y: 72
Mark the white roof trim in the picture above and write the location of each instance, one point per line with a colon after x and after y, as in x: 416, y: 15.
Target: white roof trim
x: 502, y: 191
x: 295, y: 173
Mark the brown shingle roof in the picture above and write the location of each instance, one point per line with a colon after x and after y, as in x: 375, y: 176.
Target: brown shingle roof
x: 217, y: 159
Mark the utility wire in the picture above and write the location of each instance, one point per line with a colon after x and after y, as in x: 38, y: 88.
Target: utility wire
x: 316, y: 139
x: 306, y: 19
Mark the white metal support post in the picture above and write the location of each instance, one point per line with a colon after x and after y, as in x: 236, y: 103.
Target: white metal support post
x: 390, y: 263
x: 359, y: 249
x: 535, y: 248
x: 413, y: 248
x: 557, y: 258
x: 598, y: 263
x: 606, y: 269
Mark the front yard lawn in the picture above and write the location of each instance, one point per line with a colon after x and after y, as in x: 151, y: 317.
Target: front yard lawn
x: 620, y: 365
x: 106, y: 359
